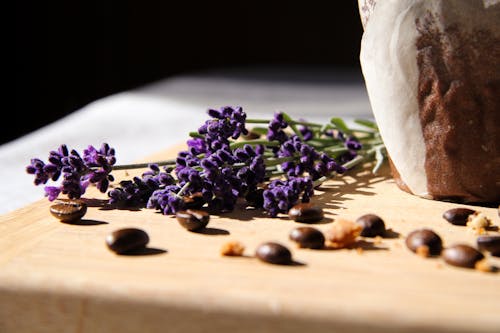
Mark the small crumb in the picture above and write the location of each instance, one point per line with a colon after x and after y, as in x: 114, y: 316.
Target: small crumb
x: 478, y: 222
x: 342, y: 233
x: 483, y: 266
x: 377, y: 240
x: 423, y: 251
x: 232, y: 249
x: 398, y: 245
x: 359, y: 250
x: 439, y: 265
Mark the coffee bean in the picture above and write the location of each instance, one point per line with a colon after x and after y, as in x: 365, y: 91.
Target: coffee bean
x: 490, y: 244
x: 274, y: 253
x: 127, y: 240
x: 307, y: 237
x: 69, y: 211
x: 193, y: 220
x: 194, y: 201
x: 458, y: 216
x: 255, y: 198
x: 306, y: 212
x: 251, y: 136
x: 462, y: 255
x: 424, y: 242
x: 372, y: 225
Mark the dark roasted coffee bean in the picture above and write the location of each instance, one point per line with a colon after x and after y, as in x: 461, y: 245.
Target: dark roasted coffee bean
x: 127, y: 240
x: 69, y: 211
x: 193, y: 220
x: 255, y: 198
x: 462, y: 255
x: 306, y: 212
x: 307, y: 237
x: 490, y: 244
x: 424, y: 242
x: 458, y: 216
x: 251, y: 136
x: 274, y: 253
x: 194, y: 201
x: 372, y: 225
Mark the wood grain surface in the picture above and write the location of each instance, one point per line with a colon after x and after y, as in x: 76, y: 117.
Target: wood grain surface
x: 57, y: 277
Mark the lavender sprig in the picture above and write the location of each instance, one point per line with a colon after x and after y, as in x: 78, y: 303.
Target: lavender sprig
x: 77, y: 172
x: 139, y: 190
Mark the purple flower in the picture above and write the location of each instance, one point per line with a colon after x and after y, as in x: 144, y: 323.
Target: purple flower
x: 52, y: 192
x: 281, y: 195
x: 220, y: 185
x: 166, y: 200
x: 77, y: 172
x: 139, y: 190
x: 72, y: 185
x: 228, y: 122
x: 157, y: 178
x: 305, y: 159
x: 103, y: 158
x: 235, y: 117
x: 197, y: 146
x: 276, y: 128
x: 37, y: 168
x: 350, y: 143
x: 254, y: 171
x: 306, y: 132
x: 100, y: 164
x: 347, y: 156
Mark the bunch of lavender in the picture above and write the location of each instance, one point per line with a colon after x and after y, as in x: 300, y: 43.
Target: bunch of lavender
x: 281, y: 164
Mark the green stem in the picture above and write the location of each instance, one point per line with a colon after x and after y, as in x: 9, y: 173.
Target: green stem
x: 292, y: 125
x: 196, y: 135
x: 265, y: 142
x: 329, y: 141
x: 279, y: 160
x: 355, y: 161
x: 290, y: 122
x: 335, y: 152
x: 315, y: 144
x: 257, y: 121
x: 142, y: 165
x: 336, y: 149
x: 379, y: 157
x: 274, y: 173
x: 182, y: 190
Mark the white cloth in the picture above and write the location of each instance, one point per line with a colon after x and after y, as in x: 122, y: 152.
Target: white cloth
x: 151, y: 118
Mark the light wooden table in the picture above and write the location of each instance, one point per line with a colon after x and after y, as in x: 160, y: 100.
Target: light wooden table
x: 57, y: 277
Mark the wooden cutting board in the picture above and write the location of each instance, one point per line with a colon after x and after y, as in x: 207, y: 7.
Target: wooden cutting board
x: 57, y: 277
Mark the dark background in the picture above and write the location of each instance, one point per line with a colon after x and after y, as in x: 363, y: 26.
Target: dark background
x: 70, y: 53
